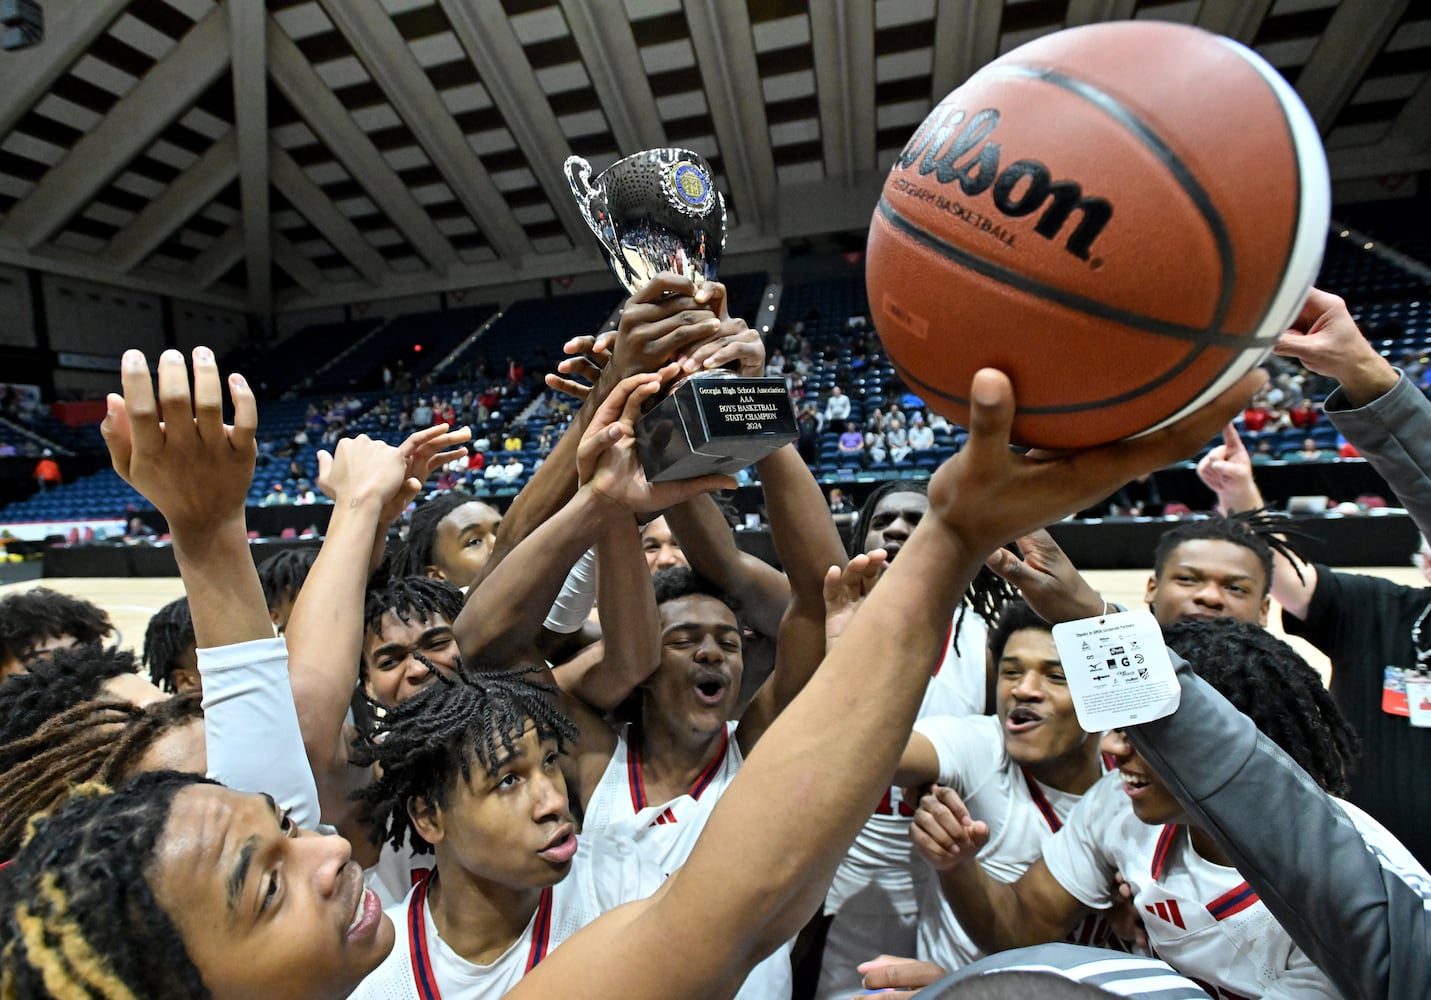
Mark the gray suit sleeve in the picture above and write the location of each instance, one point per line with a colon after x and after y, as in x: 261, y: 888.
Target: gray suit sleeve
x: 1366, y: 926
x: 1393, y: 433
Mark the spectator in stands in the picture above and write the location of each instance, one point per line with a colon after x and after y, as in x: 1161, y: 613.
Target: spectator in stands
x: 513, y: 440
x: 546, y: 441
x: 1254, y: 418
x: 838, y: 503
x: 1263, y: 453
x: 513, y: 468
x: 1305, y: 414
x: 876, y: 420
x: 837, y: 406
x: 303, y: 494
x: 1309, y: 452
x: 876, y: 447
x: 852, y: 442
x: 897, y: 438
x: 475, y: 459
x: 277, y: 497
x: 921, y: 437
x: 775, y: 365
x: 422, y: 413
x: 47, y: 471
x: 404, y: 424
x: 807, y: 425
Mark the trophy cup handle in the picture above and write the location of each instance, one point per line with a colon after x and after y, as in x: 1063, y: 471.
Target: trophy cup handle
x: 588, y: 199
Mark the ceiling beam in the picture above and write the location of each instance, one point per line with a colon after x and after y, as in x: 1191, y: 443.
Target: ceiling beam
x: 247, y: 21
x: 966, y: 36
x: 180, y: 202
x: 77, y: 264
x: 332, y: 123
x: 29, y: 74
x: 1409, y: 129
x: 603, y: 35
x: 161, y: 96
x: 217, y: 259
x: 308, y: 199
x: 842, y: 36
x: 1237, y: 19
x: 1081, y: 12
x: 486, y: 33
x: 297, y: 266
x: 1353, y: 38
x: 378, y: 43
x: 725, y: 52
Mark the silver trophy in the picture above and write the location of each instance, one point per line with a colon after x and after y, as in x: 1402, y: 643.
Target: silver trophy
x: 656, y: 211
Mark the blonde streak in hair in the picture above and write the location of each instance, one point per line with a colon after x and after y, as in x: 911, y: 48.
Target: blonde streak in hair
x: 59, y: 980
x: 91, y: 968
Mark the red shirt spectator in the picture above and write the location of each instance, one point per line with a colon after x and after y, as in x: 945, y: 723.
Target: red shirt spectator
x: 1304, y: 415
x: 47, y: 471
x: 1254, y: 418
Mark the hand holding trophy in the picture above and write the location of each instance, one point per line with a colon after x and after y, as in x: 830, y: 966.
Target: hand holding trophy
x: 657, y: 211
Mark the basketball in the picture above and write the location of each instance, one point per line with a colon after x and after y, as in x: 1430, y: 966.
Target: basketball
x: 1123, y: 217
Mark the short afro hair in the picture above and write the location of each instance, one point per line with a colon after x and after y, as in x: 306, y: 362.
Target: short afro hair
x: 67, y: 677
x: 33, y: 616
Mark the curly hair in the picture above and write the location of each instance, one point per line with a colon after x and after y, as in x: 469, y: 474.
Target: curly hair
x: 424, y: 744
x: 676, y: 582
x: 169, y: 634
x: 1268, y: 682
x: 95, y: 741
x: 1259, y: 531
x: 32, y: 616
x: 78, y: 917
x: 66, y: 678
x: 1014, y: 616
x: 283, y: 574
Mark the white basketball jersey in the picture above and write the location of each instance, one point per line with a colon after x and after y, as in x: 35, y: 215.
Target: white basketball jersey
x: 1201, y: 918
x: 604, y: 874
x: 1021, y: 813
x: 880, y: 872
x: 620, y: 795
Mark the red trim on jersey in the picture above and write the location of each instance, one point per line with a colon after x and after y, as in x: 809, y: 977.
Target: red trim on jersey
x: 1232, y: 902
x: 1041, y: 800
x: 944, y: 655
x: 637, y: 782
x: 1110, y: 763
x: 425, y: 978
x: 6, y: 863
x: 1160, y: 854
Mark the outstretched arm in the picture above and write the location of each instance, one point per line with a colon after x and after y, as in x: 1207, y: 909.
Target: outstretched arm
x: 1364, y: 918
x: 196, y: 471
x: 783, y: 822
x: 325, y: 633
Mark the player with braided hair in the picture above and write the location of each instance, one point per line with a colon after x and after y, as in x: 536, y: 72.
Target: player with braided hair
x: 95, y: 741
x: 66, y: 678
x: 282, y: 575
x: 1199, y: 913
x: 1270, y: 683
x: 170, y: 650
x: 39, y: 619
x: 450, y: 538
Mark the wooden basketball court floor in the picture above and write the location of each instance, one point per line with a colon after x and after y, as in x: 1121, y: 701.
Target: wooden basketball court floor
x: 131, y: 601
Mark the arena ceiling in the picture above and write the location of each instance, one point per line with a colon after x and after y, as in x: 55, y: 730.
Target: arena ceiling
x: 305, y: 152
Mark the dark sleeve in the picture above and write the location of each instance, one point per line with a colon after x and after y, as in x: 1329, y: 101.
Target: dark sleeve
x: 1393, y: 433
x: 1365, y: 925
x: 1345, y: 609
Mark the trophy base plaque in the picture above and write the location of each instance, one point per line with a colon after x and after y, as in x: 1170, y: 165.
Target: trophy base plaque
x: 714, y: 423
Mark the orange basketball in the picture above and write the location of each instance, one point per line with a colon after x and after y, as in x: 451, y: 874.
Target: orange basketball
x: 1123, y: 217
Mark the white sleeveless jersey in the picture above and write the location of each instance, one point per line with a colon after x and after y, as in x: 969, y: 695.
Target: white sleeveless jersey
x: 666, y: 832
x: 604, y: 874
x: 620, y: 795
x: 396, y: 872
x: 1201, y: 918
x: 880, y: 872
x: 1021, y: 813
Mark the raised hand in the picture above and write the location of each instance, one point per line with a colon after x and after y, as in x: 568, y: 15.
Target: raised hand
x: 1325, y: 338
x: 361, y: 469
x: 194, y: 468
x: 894, y: 977
x: 586, y: 356
x: 846, y: 590
x: 607, y: 463
x: 989, y: 495
x: 662, y: 322
x: 944, y: 833
x: 1051, y: 585
x: 1227, y: 471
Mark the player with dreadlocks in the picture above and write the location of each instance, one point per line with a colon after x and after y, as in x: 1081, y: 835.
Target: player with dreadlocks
x: 260, y: 910
x: 64, y: 679
x: 39, y: 619
x: 101, y: 741
x: 170, y: 650
x: 1199, y: 913
x: 281, y: 576
x: 450, y: 537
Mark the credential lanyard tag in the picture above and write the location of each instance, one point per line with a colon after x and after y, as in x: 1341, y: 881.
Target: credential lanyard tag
x: 1418, y: 700
x: 1118, y: 670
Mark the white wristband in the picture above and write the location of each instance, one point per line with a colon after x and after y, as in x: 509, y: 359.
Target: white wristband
x: 578, y: 596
